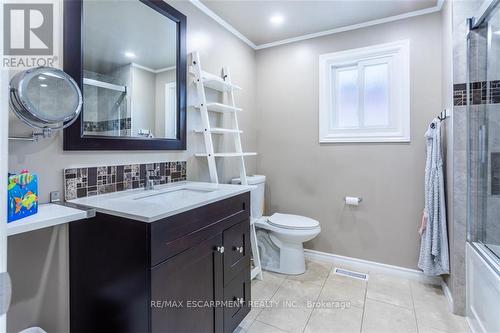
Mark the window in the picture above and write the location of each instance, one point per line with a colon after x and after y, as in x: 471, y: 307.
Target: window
x: 365, y: 94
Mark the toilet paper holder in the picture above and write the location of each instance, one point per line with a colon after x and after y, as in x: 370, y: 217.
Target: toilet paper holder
x: 359, y: 199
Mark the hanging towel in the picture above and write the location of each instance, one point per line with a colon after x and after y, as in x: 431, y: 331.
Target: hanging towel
x: 434, y: 257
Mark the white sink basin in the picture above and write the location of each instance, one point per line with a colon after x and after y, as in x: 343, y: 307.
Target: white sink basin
x: 173, y: 194
x: 163, y: 201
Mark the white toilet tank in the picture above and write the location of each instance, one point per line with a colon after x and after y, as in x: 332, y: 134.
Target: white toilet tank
x: 256, y: 195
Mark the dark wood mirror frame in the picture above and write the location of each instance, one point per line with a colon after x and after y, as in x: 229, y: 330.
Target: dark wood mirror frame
x: 73, y: 56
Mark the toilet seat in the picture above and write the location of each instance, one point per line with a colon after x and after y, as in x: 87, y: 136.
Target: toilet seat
x: 294, y: 222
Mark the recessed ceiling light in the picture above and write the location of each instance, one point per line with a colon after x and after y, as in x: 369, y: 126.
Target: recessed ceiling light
x: 130, y: 54
x: 277, y: 19
x: 43, y: 85
x: 42, y: 78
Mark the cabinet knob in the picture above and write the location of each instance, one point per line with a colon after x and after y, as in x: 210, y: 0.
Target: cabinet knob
x: 220, y: 249
x: 239, y: 249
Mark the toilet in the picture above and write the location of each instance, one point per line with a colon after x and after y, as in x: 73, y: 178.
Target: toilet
x: 280, y: 237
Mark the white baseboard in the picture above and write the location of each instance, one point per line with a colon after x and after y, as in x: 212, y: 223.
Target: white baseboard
x: 372, y: 266
x: 447, y: 294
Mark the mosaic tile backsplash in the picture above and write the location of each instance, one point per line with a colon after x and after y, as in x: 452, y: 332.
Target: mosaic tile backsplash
x: 479, y: 93
x: 107, y: 125
x: 83, y: 182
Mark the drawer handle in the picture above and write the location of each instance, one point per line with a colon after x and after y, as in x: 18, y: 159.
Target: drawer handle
x: 239, y: 249
x: 220, y: 249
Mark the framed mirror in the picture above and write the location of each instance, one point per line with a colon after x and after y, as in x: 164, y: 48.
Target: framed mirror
x: 131, y: 69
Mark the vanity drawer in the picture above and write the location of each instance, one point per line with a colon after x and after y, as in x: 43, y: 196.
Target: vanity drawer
x: 175, y: 234
x: 237, y: 250
x: 238, y: 290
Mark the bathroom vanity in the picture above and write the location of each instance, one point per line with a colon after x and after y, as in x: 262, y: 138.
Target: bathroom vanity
x: 174, y: 259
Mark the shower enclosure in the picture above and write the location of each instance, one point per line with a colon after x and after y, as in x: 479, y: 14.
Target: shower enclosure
x: 484, y: 134
x: 483, y: 201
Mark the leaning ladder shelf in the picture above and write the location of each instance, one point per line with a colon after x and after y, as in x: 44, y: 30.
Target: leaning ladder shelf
x: 224, y: 85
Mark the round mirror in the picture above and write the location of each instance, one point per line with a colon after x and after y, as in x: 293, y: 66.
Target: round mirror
x: 45, y: 98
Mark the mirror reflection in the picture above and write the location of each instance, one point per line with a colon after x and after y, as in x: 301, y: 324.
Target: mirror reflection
x: 129, y: 70
x: 54, y: 98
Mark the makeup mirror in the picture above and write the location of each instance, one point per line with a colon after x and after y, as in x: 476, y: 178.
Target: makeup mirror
x: 45, y: 98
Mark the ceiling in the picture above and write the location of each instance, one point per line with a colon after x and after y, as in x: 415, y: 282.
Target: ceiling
x: 252, y: 18
x: 137, y: 29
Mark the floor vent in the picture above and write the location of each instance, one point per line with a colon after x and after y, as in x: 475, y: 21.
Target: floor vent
x: 352, y: 274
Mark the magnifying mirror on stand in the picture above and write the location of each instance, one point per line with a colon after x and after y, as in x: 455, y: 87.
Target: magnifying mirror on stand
x: 46, y: 99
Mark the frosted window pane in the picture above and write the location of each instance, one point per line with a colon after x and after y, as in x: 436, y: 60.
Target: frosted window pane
x: 376, y: 96
x: 347, y: 98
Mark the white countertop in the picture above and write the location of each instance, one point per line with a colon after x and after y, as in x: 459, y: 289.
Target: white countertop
x: 164, y: 201
x: 48, y: 215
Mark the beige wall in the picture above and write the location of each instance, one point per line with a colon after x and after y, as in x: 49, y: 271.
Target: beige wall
x: 38, y: 261
x: 307, y: 178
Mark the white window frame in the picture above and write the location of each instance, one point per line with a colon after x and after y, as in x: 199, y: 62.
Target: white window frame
x: 397, y: 56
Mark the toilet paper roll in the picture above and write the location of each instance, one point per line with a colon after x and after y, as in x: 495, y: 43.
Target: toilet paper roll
x: 353, y: 201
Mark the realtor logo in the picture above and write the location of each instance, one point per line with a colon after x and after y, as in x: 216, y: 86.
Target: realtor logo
x: 28, y: 29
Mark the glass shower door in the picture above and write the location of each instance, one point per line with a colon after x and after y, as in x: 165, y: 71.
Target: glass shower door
x: 482, y: 260
x: 491, y: 232
x: 484, y: 135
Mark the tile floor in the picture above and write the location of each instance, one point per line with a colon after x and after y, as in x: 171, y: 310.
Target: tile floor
x: 383, y: 304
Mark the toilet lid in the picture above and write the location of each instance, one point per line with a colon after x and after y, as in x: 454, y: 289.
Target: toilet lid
x: 289, y: 221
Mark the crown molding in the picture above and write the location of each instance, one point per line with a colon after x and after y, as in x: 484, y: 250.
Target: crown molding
x: 388, y: 19
x: 230, y: 28
x: 155, y: 71
x: 218, y: 19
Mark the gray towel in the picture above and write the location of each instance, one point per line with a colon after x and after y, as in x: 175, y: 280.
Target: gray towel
x: 434, y: 257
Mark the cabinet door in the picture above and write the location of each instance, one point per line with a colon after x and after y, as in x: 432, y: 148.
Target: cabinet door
x: 237, y: 250
x: 237, y: 297
x: 183, y: 289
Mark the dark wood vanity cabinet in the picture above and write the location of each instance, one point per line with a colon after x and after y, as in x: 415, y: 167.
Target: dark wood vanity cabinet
x: 186, y: 273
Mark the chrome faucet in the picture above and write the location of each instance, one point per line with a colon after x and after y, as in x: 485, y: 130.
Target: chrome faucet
x: 150, y: 183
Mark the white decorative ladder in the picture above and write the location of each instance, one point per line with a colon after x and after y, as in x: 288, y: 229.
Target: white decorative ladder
x: 224, y: 85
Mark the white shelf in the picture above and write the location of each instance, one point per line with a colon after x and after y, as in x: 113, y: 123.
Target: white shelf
x: 226, y: 154
x: 215, y: 82
x: 216, y: 130
x: 223, y: 108
x: 48, y: 215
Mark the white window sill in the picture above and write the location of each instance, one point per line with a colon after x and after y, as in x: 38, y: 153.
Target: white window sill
x: 365, y: 139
